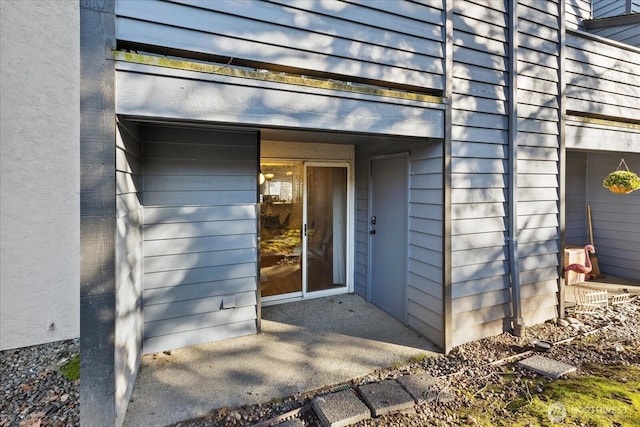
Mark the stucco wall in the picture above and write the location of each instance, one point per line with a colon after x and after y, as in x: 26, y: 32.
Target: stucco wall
x: 39, y: 172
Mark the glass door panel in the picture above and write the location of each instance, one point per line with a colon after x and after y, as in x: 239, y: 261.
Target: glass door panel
x: 281, y: 205
x: 326, y: 227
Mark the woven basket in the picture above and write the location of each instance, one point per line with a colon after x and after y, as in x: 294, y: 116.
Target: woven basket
x: 622, y: 175
x: 619, y: 190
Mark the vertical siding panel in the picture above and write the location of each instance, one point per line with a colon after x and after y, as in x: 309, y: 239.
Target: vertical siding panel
x: 538, y: 130
x: 575, y: 199
x: 538, y: 230
x: 129, y: 321
x: 479, y: 154
x: 202, y: 288
x: 425, y: 290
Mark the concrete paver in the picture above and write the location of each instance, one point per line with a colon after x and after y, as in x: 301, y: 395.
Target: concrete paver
x: 547, y: 367
x: 340, y: 409
x: 385, y: 397
x: 425, y: 388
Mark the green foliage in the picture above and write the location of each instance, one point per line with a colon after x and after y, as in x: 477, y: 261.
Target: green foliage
x: 418, y: 358
x: 608, y: 396
x: 71, y: 369
x: 624, y: 179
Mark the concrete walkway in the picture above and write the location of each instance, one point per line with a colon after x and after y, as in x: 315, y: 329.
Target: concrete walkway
x: 303, y: 346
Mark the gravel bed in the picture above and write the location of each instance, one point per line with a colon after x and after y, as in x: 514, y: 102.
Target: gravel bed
x: 610, y: 336
x: 34, y: 392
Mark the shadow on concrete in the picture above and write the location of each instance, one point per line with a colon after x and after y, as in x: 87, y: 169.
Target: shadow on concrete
x: 303, y: 346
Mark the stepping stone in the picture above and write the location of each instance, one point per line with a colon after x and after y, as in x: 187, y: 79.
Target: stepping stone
x: 385, y: 397
x: 340, y: 409
x: 425, y: 388
x: 548, y: 367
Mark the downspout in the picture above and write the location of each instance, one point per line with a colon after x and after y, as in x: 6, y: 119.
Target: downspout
x: 516, y: 298
x: 447, y: 299
x: 562, y: 156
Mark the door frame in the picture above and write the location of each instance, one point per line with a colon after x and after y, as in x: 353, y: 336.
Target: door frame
x: 349, y: 230
x: 406, y: 157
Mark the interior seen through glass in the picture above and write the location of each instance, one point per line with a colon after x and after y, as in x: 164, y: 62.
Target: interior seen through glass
x: 282, y: 228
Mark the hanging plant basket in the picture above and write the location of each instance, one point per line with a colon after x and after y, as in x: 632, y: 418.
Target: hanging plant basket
x: 622, y: 181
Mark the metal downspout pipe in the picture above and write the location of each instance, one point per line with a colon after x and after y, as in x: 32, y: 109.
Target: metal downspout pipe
x: 516, y: 298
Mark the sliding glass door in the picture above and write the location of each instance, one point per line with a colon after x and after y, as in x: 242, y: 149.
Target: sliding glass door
x: 281, y: 197
x: 304, y: 229
x: 326, y: 226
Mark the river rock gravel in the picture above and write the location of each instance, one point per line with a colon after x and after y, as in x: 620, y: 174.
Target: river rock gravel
x: 34, y: 391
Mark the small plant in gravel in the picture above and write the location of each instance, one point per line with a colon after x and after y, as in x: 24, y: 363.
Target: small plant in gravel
x: 418, y: 358
x: 71, y: 369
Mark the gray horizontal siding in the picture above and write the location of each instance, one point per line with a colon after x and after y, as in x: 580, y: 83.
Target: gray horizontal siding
x: 629, y: 34
x: 148, y: 91
x: 199, y: 236
x: 538, y: 187
x: 479, y: 167
x: 616, y: 223
x: 362, y: 226
x: 397, y: 42
x: 128, y: 259
x: 234, y: 328
x: 425, y: 289
x: 589, y: 135
x: 576, y: 12
x: 424, y: 303
x: 608, y: 8
x: 576, y: 232
x: 598, y: 78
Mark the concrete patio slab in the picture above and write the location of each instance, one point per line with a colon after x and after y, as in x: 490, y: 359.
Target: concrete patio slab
x: 547, y: 367
x: 340, y: 409
x: 303, y: 346
x: 385, y: 397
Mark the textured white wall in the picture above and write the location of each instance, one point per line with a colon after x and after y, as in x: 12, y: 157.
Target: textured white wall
x: 39, y: 171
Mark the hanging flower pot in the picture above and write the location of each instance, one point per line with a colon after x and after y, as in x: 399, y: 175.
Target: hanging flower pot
x: 622, y: 181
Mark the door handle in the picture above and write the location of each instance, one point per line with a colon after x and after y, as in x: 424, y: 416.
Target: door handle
x: 372, y: 232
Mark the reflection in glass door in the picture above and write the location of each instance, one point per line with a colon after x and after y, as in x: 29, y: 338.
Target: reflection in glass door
x: 303, y: 229
x: 326, y: 227
x: 281, y: 196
